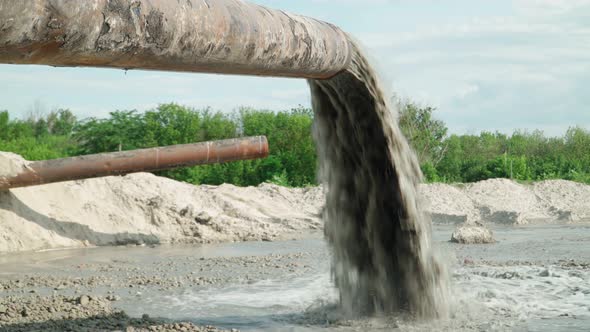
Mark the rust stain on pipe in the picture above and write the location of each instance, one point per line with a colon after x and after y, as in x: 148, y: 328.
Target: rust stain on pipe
x: 144, y: 160
x: 215, y: 36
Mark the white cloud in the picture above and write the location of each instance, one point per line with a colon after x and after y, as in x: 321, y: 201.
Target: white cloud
x: 520, y: 70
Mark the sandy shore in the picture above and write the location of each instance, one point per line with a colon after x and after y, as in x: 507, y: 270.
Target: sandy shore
x: 84, y: 313
x: 80, y: 291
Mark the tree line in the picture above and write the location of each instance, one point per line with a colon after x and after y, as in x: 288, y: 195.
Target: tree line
x: 523, y: 155
x: 291, y: 162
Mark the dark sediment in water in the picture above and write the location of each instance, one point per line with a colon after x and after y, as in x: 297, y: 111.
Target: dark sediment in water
x: 378, y: 234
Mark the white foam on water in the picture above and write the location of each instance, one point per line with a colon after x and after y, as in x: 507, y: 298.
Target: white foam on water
x: 258, y: 304
x: 516, y: 295
x: 484, y: 298
x: 294, y: 294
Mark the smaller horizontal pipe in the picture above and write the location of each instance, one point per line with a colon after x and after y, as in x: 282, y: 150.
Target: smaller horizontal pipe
x: 143, y: 160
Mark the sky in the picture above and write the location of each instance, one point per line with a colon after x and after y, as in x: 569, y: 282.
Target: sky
x: 484, y: 65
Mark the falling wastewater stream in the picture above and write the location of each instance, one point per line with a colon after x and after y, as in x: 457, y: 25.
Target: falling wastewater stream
x: 378, y: 234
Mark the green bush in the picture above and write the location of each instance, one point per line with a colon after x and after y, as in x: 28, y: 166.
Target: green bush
x: 523, y: 156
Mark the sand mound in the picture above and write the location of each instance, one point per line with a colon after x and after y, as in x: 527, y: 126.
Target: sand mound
x: 448, y: 204
x: 566, y: 200
x: 144, y: 208
x: 506, y: 201
x: 10, y: 164
x: 472, y: 235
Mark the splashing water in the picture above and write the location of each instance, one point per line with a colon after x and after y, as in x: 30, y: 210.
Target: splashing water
x: 378, y: 234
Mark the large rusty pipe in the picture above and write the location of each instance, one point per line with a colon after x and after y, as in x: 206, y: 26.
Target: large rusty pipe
x: 215, y: 36
x: 125, y: 162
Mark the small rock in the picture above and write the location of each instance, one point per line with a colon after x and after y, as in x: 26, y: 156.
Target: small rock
x: 544, y: 273
x: 472, y: 235
x: 84, y: 300
x: 113, y: 298
x: 3, y: 309
x: 203, y: 218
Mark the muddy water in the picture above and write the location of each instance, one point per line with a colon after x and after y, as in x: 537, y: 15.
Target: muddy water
x: 535, y: 278
x: 379, y: 237
x: 526, y: 282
